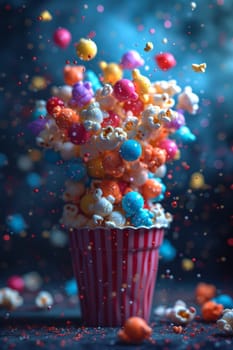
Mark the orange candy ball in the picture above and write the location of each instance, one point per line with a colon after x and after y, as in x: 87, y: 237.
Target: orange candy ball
x: 64, y: 117
x: 86, y: 201
x: 135, y: 330
x: 204, y: 292
x: 73, y: 74
x: 95, y: 168
x: 211, y: 311
x: 112, y: 188
x: 151, y: 189
x: 113, y: 164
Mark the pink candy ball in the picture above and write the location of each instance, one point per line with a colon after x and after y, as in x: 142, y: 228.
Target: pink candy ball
x: 16, y: 282
x: 170, y: 147
x: 78, y: 134
x: 124, y: 90
x: 62, y: 37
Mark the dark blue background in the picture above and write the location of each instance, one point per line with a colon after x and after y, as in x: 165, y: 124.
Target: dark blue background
x: 202, y: 35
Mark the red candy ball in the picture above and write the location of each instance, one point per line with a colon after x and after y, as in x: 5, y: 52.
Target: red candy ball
x: 113, y: 120
x: 136, y: 107
x: 16, y: 282
x: 165, y: 60
x: 124, y: 90
x: 52, y: 103
x: 62, y: 37
x: 78, y: 134
x: 170, y: 147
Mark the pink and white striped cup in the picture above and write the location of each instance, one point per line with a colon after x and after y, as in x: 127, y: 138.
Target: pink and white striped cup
x: 116, y: 272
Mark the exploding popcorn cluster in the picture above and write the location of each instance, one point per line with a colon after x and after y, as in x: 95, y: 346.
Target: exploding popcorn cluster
x: 115, y: 138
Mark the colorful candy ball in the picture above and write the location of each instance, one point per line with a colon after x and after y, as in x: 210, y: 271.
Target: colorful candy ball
x: 132, y: 202
x: 165, y: 60
x: 62, y: 37
x: 170, y: 147
x: 16, y: 282
x: 124, y: 90
x: 151, y: 189
x: 130, y: 150
x: 52, y: 103
x: 135, y: 330
x: 86, y: 49
x: 211, y: 311
x: 78, y: 134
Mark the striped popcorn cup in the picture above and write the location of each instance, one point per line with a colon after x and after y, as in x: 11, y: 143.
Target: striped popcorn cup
x: 116, y: 272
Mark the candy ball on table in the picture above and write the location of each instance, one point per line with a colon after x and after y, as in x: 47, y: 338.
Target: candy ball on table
x: 130, y: 150
x: 165, y: 60
x: 76, y: 170
x: 135, y: 330
x: 86, y: 49
x: 62, y: 37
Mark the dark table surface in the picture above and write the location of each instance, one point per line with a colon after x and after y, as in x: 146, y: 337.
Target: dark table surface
x: 61, y: 326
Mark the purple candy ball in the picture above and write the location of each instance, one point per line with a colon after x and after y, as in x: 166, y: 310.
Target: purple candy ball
x: 177, y: 122
x: 131, y: 60
x: 37, y: 125
x: 82, y: 93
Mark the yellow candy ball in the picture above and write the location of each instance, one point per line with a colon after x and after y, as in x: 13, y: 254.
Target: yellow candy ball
x: 95, y: 168
x: 85, y: 204
x: 86, y: 49
x: 197, y: 181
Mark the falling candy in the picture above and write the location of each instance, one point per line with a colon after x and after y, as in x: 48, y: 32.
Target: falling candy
x: 62, y: 37
x: 131, y: 60
x: 46, y: 16
x: 86, y: 49
x: 165, y: 61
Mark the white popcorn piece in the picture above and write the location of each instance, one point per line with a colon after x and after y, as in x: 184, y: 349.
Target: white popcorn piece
x: 43, y: 300
x: 10, y: 299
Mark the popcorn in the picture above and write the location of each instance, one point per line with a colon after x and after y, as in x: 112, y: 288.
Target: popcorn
x: 44, y: 300
x: 10, y: 299
x: 180, y: 314
x: 225, y: 323
x: 115, y: 139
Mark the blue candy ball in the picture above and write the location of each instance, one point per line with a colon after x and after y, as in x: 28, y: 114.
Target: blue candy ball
x: 33, y: 180
x: 224, y: 299
x: 167, y: 251
x: 142, y: 218
x: 130, y: 150
x: 132, y: 202
x: 76, y: 171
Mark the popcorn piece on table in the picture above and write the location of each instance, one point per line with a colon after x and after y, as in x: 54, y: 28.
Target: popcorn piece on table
x: 10, y: 299
x: 180, y: 314
x: 225, y: 323
x: 44, y: 300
